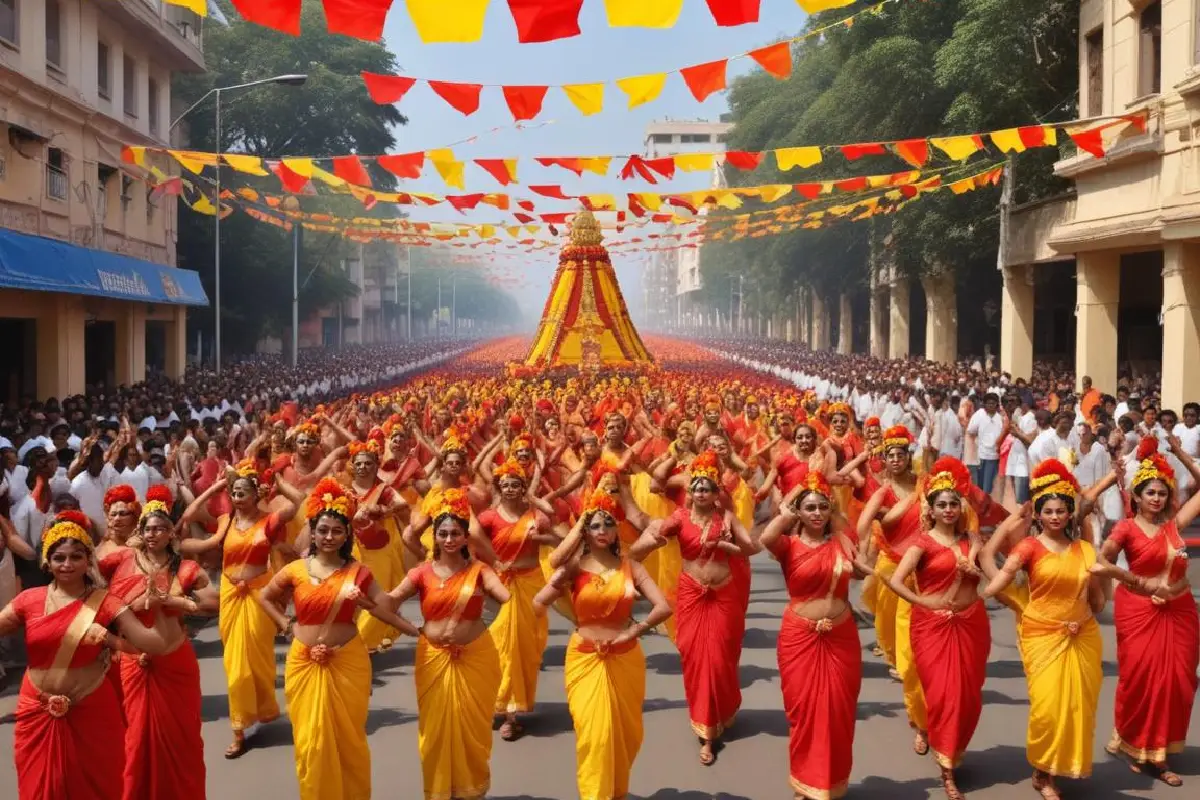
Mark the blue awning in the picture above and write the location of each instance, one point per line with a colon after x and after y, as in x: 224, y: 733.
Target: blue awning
x: 48, y: 265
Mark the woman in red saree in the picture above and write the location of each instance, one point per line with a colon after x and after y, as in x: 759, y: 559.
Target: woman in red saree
x: 820, y: 658
x: 164, y: 754
x: 710, y: 601
x: 950, y: 634
x: 68, y: 741
x: 1158, y: 628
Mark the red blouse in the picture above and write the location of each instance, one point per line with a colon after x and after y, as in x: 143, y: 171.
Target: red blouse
x: 692, y: 538
x: 314, y: 599
x: 1148, y: 556
x: 791, y: 471
x: 251, y: 547
x: 440, y: 598
x: 938, y: 568
x: 127, y: 581
x: 899, y: 535
x: 44, y: 632
x: 812, y: 573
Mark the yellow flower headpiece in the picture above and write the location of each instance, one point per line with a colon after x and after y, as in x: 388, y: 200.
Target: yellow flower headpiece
x: 1052, y: 477
x: 246, y: 469
x: 522, y: 442
x: 707, y: 466
x: 452, y: 444
x: 329, y: 496
x: 454, y: 503
x: 67, y: 525
x: 510, y: 468
x: 897, y: 436
x: 155, y: 507
x: 841, y: 408
x: 1154, y: 468
x: 308, y: 429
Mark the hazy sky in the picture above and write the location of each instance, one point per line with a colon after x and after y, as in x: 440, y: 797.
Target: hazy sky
x: 599, y: 54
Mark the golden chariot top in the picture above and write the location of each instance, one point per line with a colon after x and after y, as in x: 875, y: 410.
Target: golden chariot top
x: 585, y: 230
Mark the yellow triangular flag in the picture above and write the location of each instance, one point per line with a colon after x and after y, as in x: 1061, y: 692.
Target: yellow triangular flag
x: 649, y: 200
x: 587, y: 97
x: 1008, y: 141
x: 643, y: 13
x: 816, y: 6
x: 450, y: 168
x: 792, y: 157
x: 956, y: 147
x: 328, y: 177
x: 642, y: 88
x: 251, y: 165
x: 193, y: 161
x: 197, y: 7
x: 301, y: 166
x: 694, y: 162
x: 770, y: 194
x: 598, y: 164
x: 439, y: 21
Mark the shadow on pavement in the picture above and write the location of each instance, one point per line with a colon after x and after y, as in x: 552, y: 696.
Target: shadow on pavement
x: 675, y: 794
x: 887, y: 709
x: 876, y: 788
x: 548, y: 719
x: 751, y: 722
x: 759, y: 639
x: 378, y: 718
x: 751, y: 674
x: 667, y: 663
x: 1006, y: 765
x: 994, y: 698
x: 214, y: 707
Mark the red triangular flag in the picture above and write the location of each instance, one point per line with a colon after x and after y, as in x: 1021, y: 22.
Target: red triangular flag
x: 350, y: 169
x: 362, y: 19
x: 1090, y: 141
x: 775, y: 59
x: 526, y: 204
x: 525, y: 102
x: 728, y: 13
x: 852, y: 184
x: 497, y: 168
x: 545, y: 20
x: 808, y: 190
x: 663, y: 166
x: 704, y: 79
x: 1032, y: 136
x: 914, y: 151
x: 523, y: 218
x: 282, y: 15
x: 387, y: 89
x: 570, y: 164
x: 464, y: 202
x: 853, y: 152
x: 292, y: 181
x: 407, y: 165
x: 743, y: 160
x: 464, y: 97
x: 554, y: 192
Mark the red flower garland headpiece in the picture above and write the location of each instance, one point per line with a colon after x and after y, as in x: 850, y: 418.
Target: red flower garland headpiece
x: 1052, y: 477
x: 510, y: 468
x: 897, y: 436
x: 602, y: 500
x: 947, y: 474
x: 329, y: 496
x: 707, y: 466
x: 815, y: 481
x: 121, y: 493
x: 1152, y: 466
x: 872, y: 422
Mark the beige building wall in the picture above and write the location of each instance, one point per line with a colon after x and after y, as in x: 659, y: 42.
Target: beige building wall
x: 1144, y: 195
x: 65, y: 113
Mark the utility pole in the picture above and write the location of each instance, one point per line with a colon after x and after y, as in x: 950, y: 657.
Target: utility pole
x: 1005, y: 207
x: 295, y: 293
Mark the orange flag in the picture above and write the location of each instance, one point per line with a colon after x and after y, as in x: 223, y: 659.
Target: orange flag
x: 525, y: 102
x: 387, y: 89
x: 704, y: 79
x: 281, y: 15
x: 407, y: 165
x: 914, y: 151
x: 503, y: 170
x: 350, y: 169
x: 744, y: 160
x: 362, y: 19
x: 853, y: 152
x: 464, y: 97
x: 775, y: 59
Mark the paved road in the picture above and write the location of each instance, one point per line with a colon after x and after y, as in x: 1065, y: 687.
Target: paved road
x: 753, y: 765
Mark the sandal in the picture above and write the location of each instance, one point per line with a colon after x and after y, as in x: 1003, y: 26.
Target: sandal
x: 895, y: 673
x: 1043, y: 786
x: 707, y: 756
x: 1167, y: 776
x: 237, y: 749
x: 877, y: 651
x: 920, y: 744
x: 952, y: 792
x: 511, y: 730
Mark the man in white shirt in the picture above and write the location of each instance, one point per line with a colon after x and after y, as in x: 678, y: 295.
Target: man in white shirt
x: 1054, y: 442
x: 987, y: 427
x: 1016, y: 469
x: 90, y: 484
x: 950, y: 431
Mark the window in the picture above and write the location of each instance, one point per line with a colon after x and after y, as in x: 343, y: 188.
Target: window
x: 53, y: 34
x: 1150, y: 50
x: 151, y: 205
x: 661, y: 138
x: 104, y: 174
x: 152, y: 105
x: 10, y: 22
x: 56, y: 174
x: 103, y: 80
x: 129, y: 80
x: 1094, y: 43
x: 695, y: 138
x: 126, y: 192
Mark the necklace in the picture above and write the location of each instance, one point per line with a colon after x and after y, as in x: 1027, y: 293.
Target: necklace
x: 54, y: 594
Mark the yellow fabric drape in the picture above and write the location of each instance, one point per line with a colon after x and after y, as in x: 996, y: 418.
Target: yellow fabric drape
x: 328, y: 705
x: 520, y: 637
x: 387, y: 567
x: 792, y: 157
x: 248, y: 636
x: 886, y: 603
x: 906, y: 665
x: 456, y: 700
x: 605, y: 695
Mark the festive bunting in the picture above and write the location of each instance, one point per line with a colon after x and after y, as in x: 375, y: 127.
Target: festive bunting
x: 281, y: 15
x: 462, y: 96
x: 643, y: 13
x: 504, y: 170
x: 776, y: 59
x: 545, y: 20
x: 440, y: 21
x: 407, y: 165
x: 525, y: 102
x: 728, y: 13
x: 197, y: 7
x: 642, y: 88
x: 704, y: 79
x: 362, y: 19
x: 448, y: 167
x: 251, y: 165
x: 587, y: 97
x: 351, y: 170
x: 914, y: 151
x: 387, y: 89
x: 817, y: 6
x: 791, y: 157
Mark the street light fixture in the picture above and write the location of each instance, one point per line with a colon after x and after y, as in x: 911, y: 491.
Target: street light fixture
x: 281, y: 80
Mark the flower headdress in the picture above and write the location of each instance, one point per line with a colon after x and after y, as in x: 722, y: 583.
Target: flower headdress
x: 121, y: 493
x: 452, y: 503
x: 712, y: 401
x: 1152, y: 466
x: 246, y: 469
x: 330, y: 497
x: 371, y: 446
x: 308, y: 429
x: 897, y: 436
x: 947, y: 474
x: 510, y: 468
x: 453, y: 444
x: 602, y: 500
x: 841, y: 408
x: 522, y: 442
x: 71, y: 525
x: 158, y: 501
x: 1052, y: 477
x: 705, y: 466
x: 872, y: 422
x: 815, y: 481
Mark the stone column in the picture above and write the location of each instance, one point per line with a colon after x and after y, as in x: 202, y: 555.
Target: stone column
x: 898, y: 319
x: 130, y: 349
x: 879, y: 322
x: 1016, y: 322
x: 60, y: 349
x: 177, y: 343
x: 820, y: 322
x: 845, y: 325
x: 1181, y: 337
x: 1098, y: 298
x: 941, y: 318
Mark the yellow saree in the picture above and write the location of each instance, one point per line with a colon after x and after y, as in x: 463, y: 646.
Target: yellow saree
x: 519, y: 634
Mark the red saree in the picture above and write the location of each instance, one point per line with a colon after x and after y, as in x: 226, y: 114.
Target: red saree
x: 710, y: 623
x: 820, y: 669
x: 67, y: 749
x: 1158, y: 647
x: 164, y: 753
x: 951, y: 652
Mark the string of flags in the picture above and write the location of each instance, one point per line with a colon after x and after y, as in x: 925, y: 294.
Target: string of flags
x: 525, y: 102
x: 452, y: 21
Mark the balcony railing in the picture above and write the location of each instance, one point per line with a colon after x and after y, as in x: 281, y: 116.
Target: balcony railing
x: 56, y: 183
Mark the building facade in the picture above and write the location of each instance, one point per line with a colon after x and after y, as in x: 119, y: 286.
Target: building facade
x: 82, y: 79
x: 1131, y: 229
x: 673, y: 276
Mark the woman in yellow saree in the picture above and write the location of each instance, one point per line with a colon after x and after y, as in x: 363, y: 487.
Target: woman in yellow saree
x: 327, y: 681
x: 517, y: 531
x: 246, y: 537
x: 457, y: 667
x: 1060, y: 640
x: 605, y: 668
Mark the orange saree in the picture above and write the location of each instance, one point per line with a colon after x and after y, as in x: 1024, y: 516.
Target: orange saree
x: 1158, y: 646
x: 950, y: 651
x: 820, y: 669
x: 67, y: 748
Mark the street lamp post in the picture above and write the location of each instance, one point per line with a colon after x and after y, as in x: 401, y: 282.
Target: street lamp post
x: 281, y: 80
